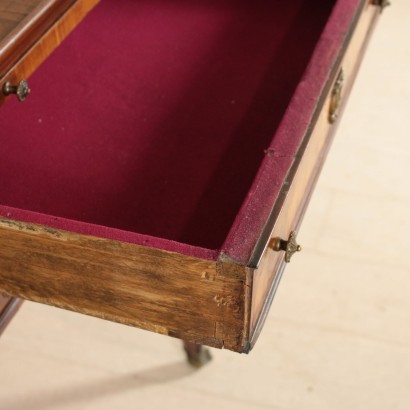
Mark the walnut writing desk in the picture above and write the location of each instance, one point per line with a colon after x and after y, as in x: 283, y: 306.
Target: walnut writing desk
x: 158, y: 171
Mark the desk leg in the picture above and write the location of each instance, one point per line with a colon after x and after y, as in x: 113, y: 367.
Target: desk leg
x: 197, y: 355
x: 8, y: 308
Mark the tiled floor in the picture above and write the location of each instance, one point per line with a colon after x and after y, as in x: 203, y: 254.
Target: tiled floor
x: 338, y: 335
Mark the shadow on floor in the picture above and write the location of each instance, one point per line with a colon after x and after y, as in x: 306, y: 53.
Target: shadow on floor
x: 74, y: 395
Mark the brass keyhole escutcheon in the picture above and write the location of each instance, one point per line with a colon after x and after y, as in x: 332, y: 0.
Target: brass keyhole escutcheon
x: 290, y: 247
x: 336, y: 97
x: 21, y: 90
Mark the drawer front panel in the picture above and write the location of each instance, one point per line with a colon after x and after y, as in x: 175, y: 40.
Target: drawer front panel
x: 303, y: 178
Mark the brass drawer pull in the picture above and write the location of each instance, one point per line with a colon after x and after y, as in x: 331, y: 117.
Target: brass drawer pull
x: 22, y: 90
x: 290, y: 246
x: 336, y: 97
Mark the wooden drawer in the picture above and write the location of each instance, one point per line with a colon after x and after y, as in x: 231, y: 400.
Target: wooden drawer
x: 147, y: 191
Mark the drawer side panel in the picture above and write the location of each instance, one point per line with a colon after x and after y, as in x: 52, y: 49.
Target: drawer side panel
x: 168, y: 293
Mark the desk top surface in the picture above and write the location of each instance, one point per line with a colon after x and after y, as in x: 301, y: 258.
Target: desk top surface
x: 13, y: 13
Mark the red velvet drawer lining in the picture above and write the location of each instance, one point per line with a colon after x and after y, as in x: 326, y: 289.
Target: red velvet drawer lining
x: 150, y: 122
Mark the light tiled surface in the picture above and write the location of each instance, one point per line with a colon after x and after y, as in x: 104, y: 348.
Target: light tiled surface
x: 338, y: 335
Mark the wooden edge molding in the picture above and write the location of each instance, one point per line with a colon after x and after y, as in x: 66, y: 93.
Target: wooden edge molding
x: 31, y: 56
x: 28, y: 31
x: 197, y: 300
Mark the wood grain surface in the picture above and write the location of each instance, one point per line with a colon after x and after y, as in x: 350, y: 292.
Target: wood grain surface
x: 196, y: 300
x: 13, y: 12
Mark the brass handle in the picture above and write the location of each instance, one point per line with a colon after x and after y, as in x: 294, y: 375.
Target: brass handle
x: 22, y: 90
x: 336, y: 97
x: 290, y: 247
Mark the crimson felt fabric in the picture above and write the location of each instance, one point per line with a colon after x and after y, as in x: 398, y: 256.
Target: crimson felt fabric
x: 151, y: 121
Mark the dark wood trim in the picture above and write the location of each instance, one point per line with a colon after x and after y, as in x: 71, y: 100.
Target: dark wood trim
x: 28, y: 31
x: 23, y: 64
x: 8, y: 308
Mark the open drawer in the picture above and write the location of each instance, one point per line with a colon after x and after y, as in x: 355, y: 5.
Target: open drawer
x: 162, y: 163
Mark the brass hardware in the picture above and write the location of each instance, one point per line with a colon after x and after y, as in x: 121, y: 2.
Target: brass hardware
x: 336, y: 97
x: 382, y: 4
x: 22, y: 90
x: 290, y: 246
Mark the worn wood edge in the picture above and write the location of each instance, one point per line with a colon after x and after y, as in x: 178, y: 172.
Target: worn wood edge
x: 47, y: 43
x: 140, y: 286
x: 248, y: 285
x: 245, y: 274
x: 255, y: 332
x: 227, y: 272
